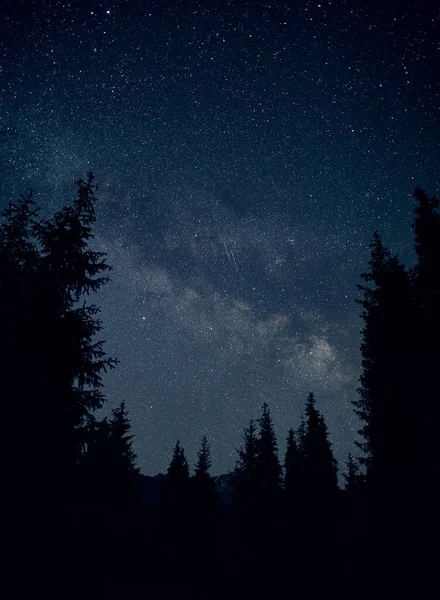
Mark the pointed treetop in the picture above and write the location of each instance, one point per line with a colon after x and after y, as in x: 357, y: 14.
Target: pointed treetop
x: 178, y: 468
x: 203, y: 460
x: 310, y: 402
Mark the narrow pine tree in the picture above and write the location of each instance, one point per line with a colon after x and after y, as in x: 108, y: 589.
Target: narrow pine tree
x: 422, y: 498
x: 387, y: 385
x: 244, y: 477
x: 204, y: 511
x: 205, y: 496
x: 125, y: 471
x: 291, y: 467
x: 427, y: 245
x: 388, y: 404
x: 176, y: 516
x: 426, y: 357
x: 268, y: 465
x: 320, y: 467
x: 176, y: 489
x: 203, y: 460
x: 122, y: 440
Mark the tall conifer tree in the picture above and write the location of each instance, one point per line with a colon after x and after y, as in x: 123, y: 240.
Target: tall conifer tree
x: 268, y: 465
x: 244, y: 477
x: 291, y: 466
x: 176, y: 489
x: 51, y: 265
x: 319, y: 465
x: 386, y: 404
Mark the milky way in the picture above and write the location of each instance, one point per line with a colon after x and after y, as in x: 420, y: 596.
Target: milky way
x: 245, y: 152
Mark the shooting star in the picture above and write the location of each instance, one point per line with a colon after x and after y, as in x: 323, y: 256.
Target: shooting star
x: 233, y: 257
x: 227, y: 253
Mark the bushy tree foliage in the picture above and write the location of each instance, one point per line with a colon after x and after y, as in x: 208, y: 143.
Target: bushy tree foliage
x: 52, y: 373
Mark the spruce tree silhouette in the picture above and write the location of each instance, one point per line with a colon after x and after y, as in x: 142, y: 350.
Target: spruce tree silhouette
x: 70, y: 382
x: 20, y: 288
x: 52, y: 374
x: 388, y: 384
x: 175, y: 519
x: 95, y: 468
x: 318, y: 495
x: 398, y: 438
x: 204, y: 493
x: 205, y: 513
x: 425, y: 441
x: 245, y: 485
x: 426, y: 282
x: 244, y: 477
x: 320, y: 467
x: 268, y: 464
x: 203, y: 460
x: 125, y: 471
x: 292, y: 470
x: 108, y: 465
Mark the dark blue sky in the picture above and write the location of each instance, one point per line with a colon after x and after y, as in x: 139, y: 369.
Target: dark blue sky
x: 246, y: 151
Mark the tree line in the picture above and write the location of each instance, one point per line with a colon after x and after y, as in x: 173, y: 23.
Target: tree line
x: 73, y: 479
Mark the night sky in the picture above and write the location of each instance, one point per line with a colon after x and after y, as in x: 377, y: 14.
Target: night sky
x: 245, y: 152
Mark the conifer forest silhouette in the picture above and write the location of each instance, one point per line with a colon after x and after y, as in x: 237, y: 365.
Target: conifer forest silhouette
x: 78, y: 511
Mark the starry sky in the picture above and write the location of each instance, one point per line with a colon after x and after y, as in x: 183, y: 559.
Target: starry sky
x: 245, y: 151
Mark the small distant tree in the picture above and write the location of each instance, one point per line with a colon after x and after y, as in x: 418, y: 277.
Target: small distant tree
x: 205, y: 496
x: 176, y: 489
x: 203, y: 461
x: 204, y: 512
x: 125, y: 472
x: 122, y: 440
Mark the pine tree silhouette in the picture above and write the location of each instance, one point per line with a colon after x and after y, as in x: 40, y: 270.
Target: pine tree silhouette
x: 205, y: 512
x: 20, y: 290
x: 244, y: 477
x: 176, y: 490
x: 71, y: 381
x: 203, y: 461
x: 268, y: 465
x: 175, y: 544
x: 426, y: 282
x: 205, y: 495
x: 387, y: 384
x: 292, y: 468
x: 52, y: 374
x: 320, y: 467
x: 420, y: 505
